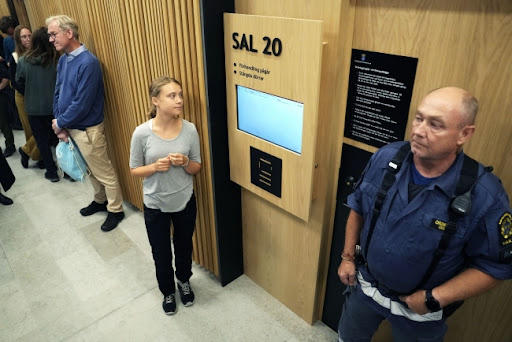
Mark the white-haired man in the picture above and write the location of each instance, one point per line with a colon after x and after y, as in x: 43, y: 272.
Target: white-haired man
x: 78, y: 108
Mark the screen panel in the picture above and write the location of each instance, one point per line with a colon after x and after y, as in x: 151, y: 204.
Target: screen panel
x: 270, y: 117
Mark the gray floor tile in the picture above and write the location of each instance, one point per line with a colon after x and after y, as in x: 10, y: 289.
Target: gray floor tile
x: 63, y: 279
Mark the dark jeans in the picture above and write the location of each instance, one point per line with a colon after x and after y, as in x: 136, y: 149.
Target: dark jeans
x: 158, y: 226
x: 44, y: 135
x: 5, y: 127
x: 361, y: 317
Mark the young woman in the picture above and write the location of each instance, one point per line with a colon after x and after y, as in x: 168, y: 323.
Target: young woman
x: 165, y: 152
x: 36, y: 75
x: 22, y: 36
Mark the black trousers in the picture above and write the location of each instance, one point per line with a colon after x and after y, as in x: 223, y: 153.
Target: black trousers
x: 12, y: 110
x: 158, y: 226
x: 6, y: 176
x: 5, y: 127
x: 45, y: 138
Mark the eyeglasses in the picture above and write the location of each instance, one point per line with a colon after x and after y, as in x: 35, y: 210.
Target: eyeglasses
x: 52, y: 35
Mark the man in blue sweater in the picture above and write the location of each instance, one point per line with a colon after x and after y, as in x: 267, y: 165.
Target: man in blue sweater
x: 78, y: 108
x: 7, y: 26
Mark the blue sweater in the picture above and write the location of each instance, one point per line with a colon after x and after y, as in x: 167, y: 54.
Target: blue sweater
x: 9, y: 46
x: 79, y: 92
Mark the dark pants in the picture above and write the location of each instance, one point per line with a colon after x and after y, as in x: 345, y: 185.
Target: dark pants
x: 12, y: 110
x: 361, y: 317
x: 5, y: 127
x: 45, y: 137
x: 6, y: 176
x: 158, y: 226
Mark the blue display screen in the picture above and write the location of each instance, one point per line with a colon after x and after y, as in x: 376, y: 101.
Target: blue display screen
x: 270, y: 117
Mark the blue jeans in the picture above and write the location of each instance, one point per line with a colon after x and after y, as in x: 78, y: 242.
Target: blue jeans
x: 158, y: 226
x: 361, y: 317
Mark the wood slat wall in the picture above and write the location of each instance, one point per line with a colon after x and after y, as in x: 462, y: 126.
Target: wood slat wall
x: 21, y: 12
x: 4, y: 8
x: 136, y: 42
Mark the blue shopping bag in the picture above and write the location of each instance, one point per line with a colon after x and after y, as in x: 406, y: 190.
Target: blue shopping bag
x: 71, y: 161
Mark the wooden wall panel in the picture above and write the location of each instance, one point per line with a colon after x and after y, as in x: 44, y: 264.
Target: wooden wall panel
x: 21, y: 13
x: 463, y: 43
x: 284, y: 255
x: 4, y: 8
x: 136, y: 42
x: 288, y: 80
x: 467, y: 44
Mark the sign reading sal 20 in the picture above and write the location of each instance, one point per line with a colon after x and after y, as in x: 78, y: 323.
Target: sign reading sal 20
x: 271, y: 46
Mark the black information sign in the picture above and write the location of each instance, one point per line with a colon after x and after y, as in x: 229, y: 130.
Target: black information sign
x: 379, y: 97
x: 266, y: 171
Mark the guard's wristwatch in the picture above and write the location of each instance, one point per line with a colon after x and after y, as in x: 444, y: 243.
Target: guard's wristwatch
x: 431, y: 303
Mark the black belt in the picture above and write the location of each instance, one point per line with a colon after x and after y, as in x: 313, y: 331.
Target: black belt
x: 386, y: 291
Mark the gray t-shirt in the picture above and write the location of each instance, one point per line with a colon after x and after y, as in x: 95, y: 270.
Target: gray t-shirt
x: 171, y: 190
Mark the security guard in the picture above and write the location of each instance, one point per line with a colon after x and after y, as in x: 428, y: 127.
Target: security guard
x: 398, y: 279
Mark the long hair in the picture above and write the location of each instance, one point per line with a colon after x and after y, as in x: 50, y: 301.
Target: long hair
x: 19, y: 49
x: 155, y: 88
x: 41, y: 48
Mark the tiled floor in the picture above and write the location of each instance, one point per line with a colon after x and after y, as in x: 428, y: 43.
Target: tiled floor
x: 63, y: 279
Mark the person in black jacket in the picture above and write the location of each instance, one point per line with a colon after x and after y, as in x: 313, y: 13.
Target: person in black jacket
x: 7, y: 26
x: 6, y: 180
x: 5, y: 126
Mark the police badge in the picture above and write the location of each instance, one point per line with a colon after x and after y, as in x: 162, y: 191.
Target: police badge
x: 505, y: 231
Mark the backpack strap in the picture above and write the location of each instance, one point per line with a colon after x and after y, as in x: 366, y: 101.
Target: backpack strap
x: 468, y: 176
x: 387, y: 182
x: 467, y: 179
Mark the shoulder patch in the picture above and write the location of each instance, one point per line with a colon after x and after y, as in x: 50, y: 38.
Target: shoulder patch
x: 505, y: 229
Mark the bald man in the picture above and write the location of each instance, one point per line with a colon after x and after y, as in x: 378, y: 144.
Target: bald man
x: 421, y: 255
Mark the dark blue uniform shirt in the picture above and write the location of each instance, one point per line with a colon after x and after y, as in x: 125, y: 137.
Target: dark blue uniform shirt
x: 407, y: 234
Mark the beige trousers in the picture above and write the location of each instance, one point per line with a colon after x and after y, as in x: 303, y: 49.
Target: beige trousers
x: 30, y: 146
x: 93, y: 146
